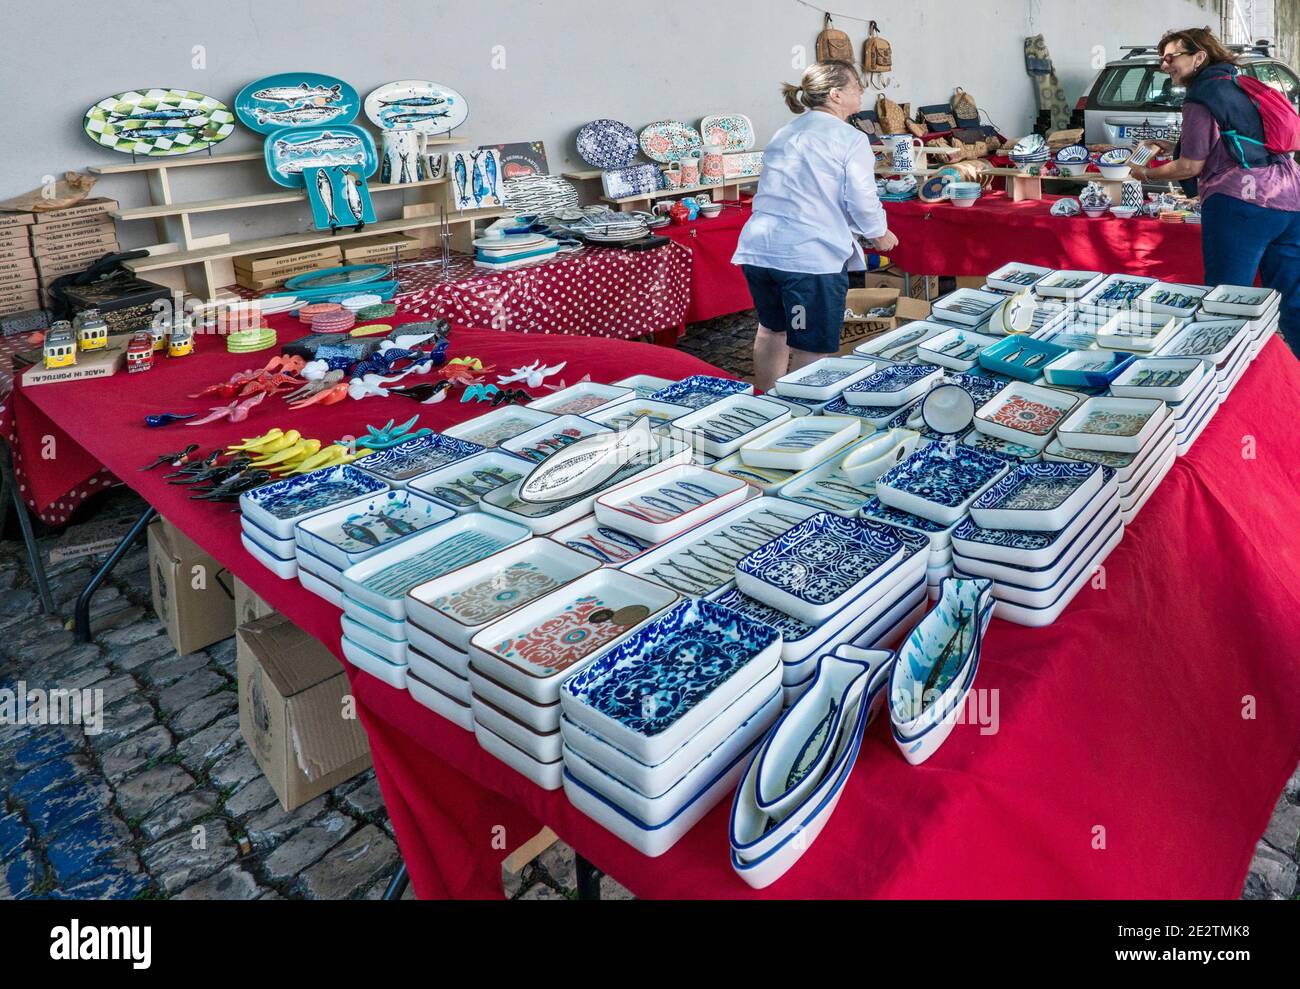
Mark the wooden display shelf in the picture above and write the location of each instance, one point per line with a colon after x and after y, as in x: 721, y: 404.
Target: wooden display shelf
x: 246, y: 202
x: 198, y: 158
x: 719, y: 190
x: 584, y: 176
x: 175, y: 259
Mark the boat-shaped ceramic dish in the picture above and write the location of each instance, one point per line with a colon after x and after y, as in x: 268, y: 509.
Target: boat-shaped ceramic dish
x: 277, y: 507
x: 877, y: 454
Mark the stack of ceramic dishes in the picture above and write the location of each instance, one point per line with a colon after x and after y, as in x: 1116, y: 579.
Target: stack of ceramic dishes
x: 356, y: 303
x: 936, y: 668
x: 329, y: 542
x: 794, y: 781
x: 268, y: 514
x: 844, y: 481
x: 1186, y: 384
x: 339, y: 320
x: 1135, y: 436
x: 882, y: 593
x: 513, y: 251
x: 308, y: 313
x: 658, y: 728
x: 1260, y: 306
x: 1031, y: 150
x: 251, y: 340
x: 963, y: 193
x: 1225, y: 342
x: 374, y: 590
x: 1039, y: 534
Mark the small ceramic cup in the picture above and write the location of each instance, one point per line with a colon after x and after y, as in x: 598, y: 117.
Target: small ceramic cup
x: 674, y: 177
x: 690, y: 169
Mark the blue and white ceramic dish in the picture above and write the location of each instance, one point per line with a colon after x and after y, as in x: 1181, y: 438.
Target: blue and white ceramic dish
x: 660, y: 504
x: 291, y: 151
x: 278, y: 506
x: 400, y: 464
x: 630, y: 182
x: 462, y: 484
x: 873, y: 416
x: 348, y: 535
x: 939, y: 484
x: 1015, y: 452
x: 296, y: 99
x: 818, y: 566
x: 607, y: 144
x: 895, y: 385
x: 1094, y: 369
x: 1037, y: 497
x: 700, y: 390
x: 1021, y: 357
x: 822, y: 380
x: 644, y: 385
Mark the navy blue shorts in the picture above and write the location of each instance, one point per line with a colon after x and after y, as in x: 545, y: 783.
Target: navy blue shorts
x: 808, y: 309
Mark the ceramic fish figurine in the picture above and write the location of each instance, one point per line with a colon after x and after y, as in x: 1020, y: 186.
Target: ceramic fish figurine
x: 587, y: 463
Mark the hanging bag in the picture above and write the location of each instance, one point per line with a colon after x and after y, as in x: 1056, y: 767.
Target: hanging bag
x: 877, y: 56
x: 892, y: 117
x: 964, y: 109
x: 1280, y: 122
x: 833, y: 43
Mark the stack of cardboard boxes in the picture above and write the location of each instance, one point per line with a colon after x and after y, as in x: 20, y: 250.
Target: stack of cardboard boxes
x: 260, y: 272
x: 19, y: 289
x: 66, y: 241
x: 379, y: 249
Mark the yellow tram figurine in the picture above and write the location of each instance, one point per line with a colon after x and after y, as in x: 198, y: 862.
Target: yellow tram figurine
x: 60, y: 348
x: 181, y: 340
x: 92, y: 331
x: 159, y: 331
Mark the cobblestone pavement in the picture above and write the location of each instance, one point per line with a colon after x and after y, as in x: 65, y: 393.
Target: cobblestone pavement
x: 167, y: 801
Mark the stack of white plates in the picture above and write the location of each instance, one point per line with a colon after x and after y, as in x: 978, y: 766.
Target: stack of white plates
x: 658, y: 728
x: 513, y: 251
x: 1188, y: 385
x: 517, y: 662
x: 1224, y: 341
x: 616, y: 235
x: 358, y: 302
x: 1039, y: 535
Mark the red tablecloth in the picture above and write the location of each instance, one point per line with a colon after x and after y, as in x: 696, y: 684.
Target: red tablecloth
x: 1142, y: 741
x: 943, y: 239
x: 718, y: 287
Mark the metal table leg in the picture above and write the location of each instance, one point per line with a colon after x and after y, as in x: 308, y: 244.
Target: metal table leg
x: 588, y: 878
x: 9, y: 485
x: 907, y: 285
x: 397, y: 885
x: 81, y: 617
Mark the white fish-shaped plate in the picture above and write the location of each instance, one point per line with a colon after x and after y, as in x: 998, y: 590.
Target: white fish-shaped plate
x: 587, y: 463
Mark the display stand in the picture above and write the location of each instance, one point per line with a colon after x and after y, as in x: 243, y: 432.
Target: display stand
x: 726, y: 190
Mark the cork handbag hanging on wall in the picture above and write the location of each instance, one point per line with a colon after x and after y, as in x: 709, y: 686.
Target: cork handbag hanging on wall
x: 877, y: 56
x: 833, y: 43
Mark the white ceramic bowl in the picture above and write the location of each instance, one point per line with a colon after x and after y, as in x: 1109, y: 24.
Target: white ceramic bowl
x: 1113, y: 171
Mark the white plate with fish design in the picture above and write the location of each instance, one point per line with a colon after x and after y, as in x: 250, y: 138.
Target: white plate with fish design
x: 348, y: 535
x: 416, y: 105
x: 658, y: 506
x: 822, y: 380
x: 800, y: 443
x: 721, y: 428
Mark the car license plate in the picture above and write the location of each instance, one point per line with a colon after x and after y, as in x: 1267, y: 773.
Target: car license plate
x: 1143, y: 132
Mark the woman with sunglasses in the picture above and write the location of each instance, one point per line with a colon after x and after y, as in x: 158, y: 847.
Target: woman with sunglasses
x: 1250, y: 199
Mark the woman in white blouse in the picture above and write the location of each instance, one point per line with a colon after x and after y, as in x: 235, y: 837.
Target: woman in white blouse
x: 817, y: 196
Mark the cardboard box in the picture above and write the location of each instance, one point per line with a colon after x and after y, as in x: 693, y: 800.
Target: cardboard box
x: 292, y: 712
x: 269, y: 262
x: 863, y: 300
x: 259, y: 282
x: 368, y: 249
x: 76, y: 224
x: 11, y: 220
x: 193, y: 595
x: 248, y: 606
x: 87, y: 207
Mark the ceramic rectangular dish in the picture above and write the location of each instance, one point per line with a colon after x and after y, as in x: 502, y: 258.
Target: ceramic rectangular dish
x: 608, y: 547
x: 493, y: 428
x: 1068, y: 284
x: 870, y: 417
x: 1016, y: 276
x: 939, y: 488
x: 967, y: 306
x: 822, y: 380
x: 1020, y: 357
x: 530, y: 650
x: 722, y: 427
x: 900, y: 344
x: 427, y: 695
x: 956, y: 349
x: 702, y: 560
x: 1115, y: 292
x: 461, y: 485
x: 1025, y: 414
x: 1171, y: 379
x: 1213, y: 340
x: 541, y: 441
x: 1037, y: 497
x: 766, y: 479
x: 277, y: 507
x: 1073, y: 328
x: 1137, y: 331
x: 579, y: 399
x: 1238, y: 300
x: 399, y: 464
x: 623, y: 414
x: 800, y: 443
x: 894, y: 385
x: 654, y: 690
x: 658, y: 505
x: 1163, y: 297
x: 382, y: 581
x: 1120, y: 424
x: 700, y: 390
x: 644, y: 385
x: 1092, y: 369
x: 457, y: 605
x: 818, y: 566
x: 355, y: 532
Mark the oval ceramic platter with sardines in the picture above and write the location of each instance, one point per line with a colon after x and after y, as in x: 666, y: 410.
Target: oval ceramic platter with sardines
x: 296, y: 99
x: 158, y: 122
x: 418, y: 105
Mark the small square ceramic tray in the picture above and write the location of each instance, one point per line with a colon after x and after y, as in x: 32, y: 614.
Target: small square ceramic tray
x: 657, y: 506
x: 348, y: 535
x: 644, y: 385
x: 1214, y: 340
x: 1017, y: 275
x: 1026, y: 414
x: 1068, y: 284
x: 1020, y: 357
x: 533, y: 648
x: 649, y: 694
x: 1128, y: 467
x: 1137, y: 332
x: 895, y: 385
x: 623, y: 414
x: 1238, y: 300
x: 766, y: 479
x: 456, y: 606
x: 800, y: 443
x: 722, y: 427
x: 957, y: 349
x: 1173, y: 299
x: 700, y: 390
x: 967, y: 306
x: 579, y: 399
x: 1120, y: 424
x: 900, y: 343
x: 938, y: 486
x: 1170, y: 379
x: 550, y: 437
x: 277, y: 507
x: 382, y: 581
x: 822, y: 380
x: 608, y: 547
x: 399, y: 464
x: 1087, y: 369
x: 818, y: 566
x: 1115, y: 292
x: 1037, y: 497
x: 460, y: 486
x: 1007, y: 450
x: 495, y: 427
x: 702, y: 561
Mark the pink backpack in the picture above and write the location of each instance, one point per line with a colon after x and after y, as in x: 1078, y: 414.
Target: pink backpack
x: 1279, y: 119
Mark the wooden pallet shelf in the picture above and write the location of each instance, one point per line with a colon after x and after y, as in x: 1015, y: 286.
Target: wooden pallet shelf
x: 179, y: 161
x: 247, y: 202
